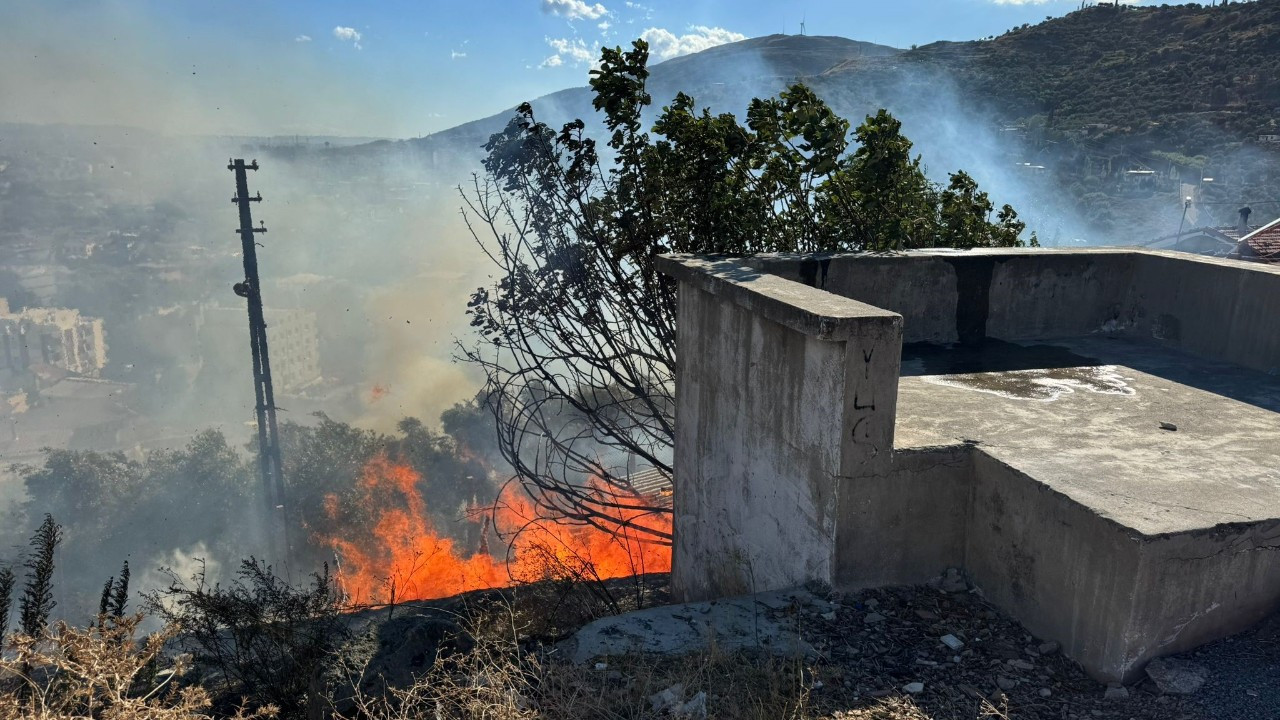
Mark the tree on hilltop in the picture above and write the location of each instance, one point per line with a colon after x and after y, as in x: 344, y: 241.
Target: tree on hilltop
x: 577, y: 334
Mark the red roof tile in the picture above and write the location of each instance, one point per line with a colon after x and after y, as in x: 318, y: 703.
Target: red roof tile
x: 1262, y: 244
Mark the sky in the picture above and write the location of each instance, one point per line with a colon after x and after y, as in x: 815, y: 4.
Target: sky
x: 391, y: 68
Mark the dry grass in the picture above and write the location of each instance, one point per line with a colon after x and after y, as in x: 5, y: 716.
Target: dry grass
x: 103, y: 672
x: 502, y: 678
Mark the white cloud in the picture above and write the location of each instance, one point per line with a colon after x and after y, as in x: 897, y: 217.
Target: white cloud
x: 571, y: 50
x: 604, y: 26
x: 574, y: 9
x: 302, y: 38
x: 666, y: 44
x: 348, y: 34
x: 454, y: 54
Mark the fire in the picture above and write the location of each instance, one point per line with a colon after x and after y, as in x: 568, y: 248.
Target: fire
x: 377, y: 392
x: 405, y: 558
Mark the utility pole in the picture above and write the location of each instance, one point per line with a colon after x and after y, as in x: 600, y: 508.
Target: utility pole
x: 264, y: 395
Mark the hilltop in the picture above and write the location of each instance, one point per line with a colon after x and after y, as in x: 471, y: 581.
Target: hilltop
x: 1168, y: 74
x: 726, y: 76
x: 1053, y: 116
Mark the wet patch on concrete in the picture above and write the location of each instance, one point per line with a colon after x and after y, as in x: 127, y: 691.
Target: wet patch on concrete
x: 990, y: 355
x: 1044, y: 384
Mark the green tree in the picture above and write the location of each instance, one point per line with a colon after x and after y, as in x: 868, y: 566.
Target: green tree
x: 115, y: 595
x: 6, y: 600
x: 965, y: 217
x: 577, y: 336
x: 37, y: 598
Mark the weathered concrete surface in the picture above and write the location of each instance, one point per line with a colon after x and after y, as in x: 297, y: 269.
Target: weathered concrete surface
x: 780, y: 386
x: 908, y: 524
x: 1040, y: 467
x: 1093, y: 433
x: 764, y: 621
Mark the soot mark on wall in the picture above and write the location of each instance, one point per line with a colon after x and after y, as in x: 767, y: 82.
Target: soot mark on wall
x: 973, y: 296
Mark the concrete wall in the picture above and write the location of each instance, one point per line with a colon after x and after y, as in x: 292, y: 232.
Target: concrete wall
x: 1213, y: 308
x: 1064, y: 571
x: 1216, y: 309
x: 907, y: 525
x: 779, y: 387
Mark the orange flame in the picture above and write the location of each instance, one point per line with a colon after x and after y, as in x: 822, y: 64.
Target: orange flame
x: 377, y: 392
x: 407, y: 559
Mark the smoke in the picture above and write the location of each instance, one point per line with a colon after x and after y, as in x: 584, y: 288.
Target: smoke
x: 415, y: 322
x: 112, y: 63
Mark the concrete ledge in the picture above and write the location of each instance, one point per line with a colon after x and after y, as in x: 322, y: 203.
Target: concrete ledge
x: 802, y: 308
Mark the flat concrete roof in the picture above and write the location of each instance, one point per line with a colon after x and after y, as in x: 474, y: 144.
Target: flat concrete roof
x: 1083, y: 416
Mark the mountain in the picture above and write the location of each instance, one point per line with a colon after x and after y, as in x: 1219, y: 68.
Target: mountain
x: 726, y: 76
x: 1143, y: 72
x: 1091, y: 124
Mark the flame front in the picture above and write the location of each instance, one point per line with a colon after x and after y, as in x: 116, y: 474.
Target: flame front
x: 403, y: 557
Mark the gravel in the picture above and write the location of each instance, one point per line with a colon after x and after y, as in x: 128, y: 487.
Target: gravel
x: 862, y: 658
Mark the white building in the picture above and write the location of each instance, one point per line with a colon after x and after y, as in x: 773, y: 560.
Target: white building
x: 58, y: 337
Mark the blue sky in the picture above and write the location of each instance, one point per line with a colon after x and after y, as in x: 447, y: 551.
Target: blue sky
x: 394, y: 68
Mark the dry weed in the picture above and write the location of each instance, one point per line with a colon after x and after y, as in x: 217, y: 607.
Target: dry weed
x: 103, y: 673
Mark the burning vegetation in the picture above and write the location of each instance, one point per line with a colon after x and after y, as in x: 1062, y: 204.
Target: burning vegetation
x: 395, y: 553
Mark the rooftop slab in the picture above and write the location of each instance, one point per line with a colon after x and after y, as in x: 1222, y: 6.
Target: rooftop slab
x: 1083, y: 416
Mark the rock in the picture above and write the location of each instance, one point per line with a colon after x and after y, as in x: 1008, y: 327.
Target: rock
x: 667, y: 699
x: 1176, y: 677
x: 695, y: 708
x: 1168, y: 426
x: 953, y: 582
x: 733, y: 623
x: 1116, y: 692
x: 829, y: 617
x: 913, y: 688
x: 1048, y: 648
x: 1045, y: 692
x: 602, y: 666
x: 872, y: 604
x: 873, y: 618
x: 952, y: 641
x: 1021, y: 665
x: 1005, y: 683
x: 926, y: 615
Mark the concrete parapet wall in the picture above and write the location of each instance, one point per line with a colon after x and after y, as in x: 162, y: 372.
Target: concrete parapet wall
x: 907, y: 525
x: 779, y: 386
x: 1213, y: 308
x: 1216, y: 309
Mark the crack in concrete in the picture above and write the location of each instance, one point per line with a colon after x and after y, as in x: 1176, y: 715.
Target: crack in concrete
x: 1232, y: 551
x: 1180, y: 507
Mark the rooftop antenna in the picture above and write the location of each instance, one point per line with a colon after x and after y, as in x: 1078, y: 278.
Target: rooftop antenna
x: 268, y: 434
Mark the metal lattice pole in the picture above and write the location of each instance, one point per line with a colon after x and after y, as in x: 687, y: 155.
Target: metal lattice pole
x: 264, y: 395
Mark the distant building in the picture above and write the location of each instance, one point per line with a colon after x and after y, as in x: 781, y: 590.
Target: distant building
x: 55, y: 337
x: 1216, y: 241
x: 1261, y: 245
x: 293, y: 343
x: 1269, y: 139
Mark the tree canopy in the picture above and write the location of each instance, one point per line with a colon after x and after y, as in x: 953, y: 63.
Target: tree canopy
x: 577, y: 333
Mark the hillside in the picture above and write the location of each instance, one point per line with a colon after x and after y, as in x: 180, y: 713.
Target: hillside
x: 1168, y: 74
x: 1056, y: 118
x: 726, y: 76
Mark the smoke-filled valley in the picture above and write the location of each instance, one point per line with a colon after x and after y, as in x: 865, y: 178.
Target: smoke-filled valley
x: 368, y: 267
x: 395, y: 475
